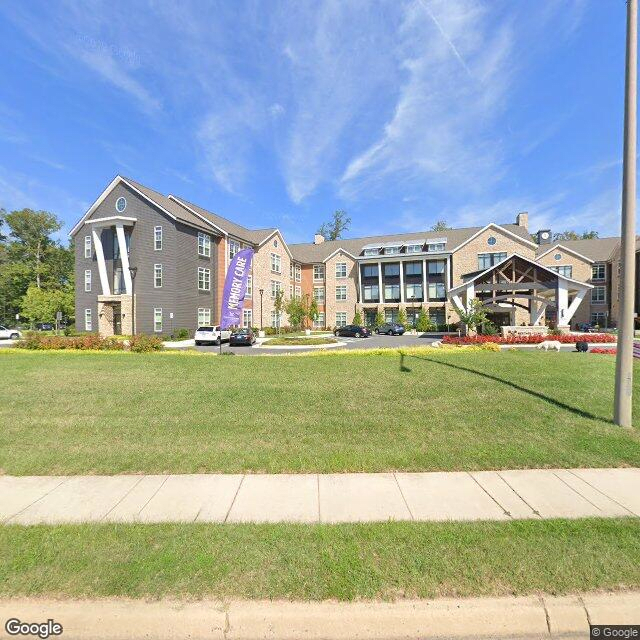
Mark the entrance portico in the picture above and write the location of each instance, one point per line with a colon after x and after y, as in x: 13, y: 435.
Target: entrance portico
x: 520, y: 283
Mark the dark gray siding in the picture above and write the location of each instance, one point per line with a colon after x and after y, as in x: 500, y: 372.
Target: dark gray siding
x: 86, y: 300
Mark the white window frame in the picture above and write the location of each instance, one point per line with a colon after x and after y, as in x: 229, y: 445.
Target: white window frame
x: 341, y: 292
x: 436, y: 247
x: 318, y: 323
x: 157, y: 276
x: 204, y: 276
x: 341, y: 269
x: 341, y: 318
x: 88, y: 320
x: 371, y: 252
x: 564, y: 267
x: 249, y: 291
x: 601, y: 314
x: 318, y: 294
x: 435, y: 264
x: 298, y: 271
x: 291, y: 270
x: 204, y: 316
x: 275, y: 287
x: 436, y: 286
x: 600, y: 267
x: 413, y: 248
x: 412, y: 286
x: 157, y: 324
x: 390, y: 296
x: 157, y: 238
x: 87, y: 247
x: 204, y: 244
x: 368, y: 289
x: 247, y: 318
x: 87, y: 280
x: 298, y: 293
x: 318, y: 273
x: 604, y: 294
x: 290, y: 292
x: 276, y: 263
x: 234, y: 247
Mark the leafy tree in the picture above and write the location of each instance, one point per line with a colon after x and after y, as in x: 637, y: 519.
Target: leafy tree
x: 334, y: 229
x: 357, y: 319
x: 402, y: 318
x: 474, y: 316
x: 441, y: 225
x: 279, y: 306
x: 39, y: 305
x: 573, y: 235
x: 312, y: 311
x: 424, y: 322
x: 297, y: 312
x: 379, y: 320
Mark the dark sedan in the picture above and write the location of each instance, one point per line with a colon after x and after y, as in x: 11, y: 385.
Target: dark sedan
x: 353, y: 331
x: 391, y: 329
x: 242, y: 337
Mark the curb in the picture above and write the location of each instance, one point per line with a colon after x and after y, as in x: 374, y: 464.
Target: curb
x: 511, y: 617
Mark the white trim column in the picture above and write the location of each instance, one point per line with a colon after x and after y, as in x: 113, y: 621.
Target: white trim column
x: 573, y: 307
x: 562, y: 302
x: 471, y: 294
x: 102, y: 265
x: 537, y: 312
x: 124, y: 257
x: 424, y: 280
x: 360, y: 295
x: 402, y: 296
x: 380, y: 296
x: 448, y: 268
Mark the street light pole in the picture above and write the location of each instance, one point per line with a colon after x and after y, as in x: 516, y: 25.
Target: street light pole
x: 624, y: 358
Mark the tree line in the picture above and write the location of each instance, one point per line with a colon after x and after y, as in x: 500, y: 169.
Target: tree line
x: 36, y: 271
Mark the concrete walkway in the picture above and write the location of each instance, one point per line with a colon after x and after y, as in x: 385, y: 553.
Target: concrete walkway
x: 312, y: 498
x: 524, y: 618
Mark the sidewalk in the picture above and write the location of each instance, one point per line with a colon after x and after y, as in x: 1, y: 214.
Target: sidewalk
x: 524, y: 618
x: 312, y: 498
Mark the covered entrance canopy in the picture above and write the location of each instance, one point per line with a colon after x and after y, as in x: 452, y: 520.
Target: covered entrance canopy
x: 520, y: 282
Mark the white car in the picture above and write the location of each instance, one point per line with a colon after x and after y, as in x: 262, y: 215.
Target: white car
x: 211, y: 335
x: 9, y: 334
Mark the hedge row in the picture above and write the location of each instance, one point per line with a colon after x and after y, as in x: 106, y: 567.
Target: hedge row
x: 89, y: 342
x: 565, y: 338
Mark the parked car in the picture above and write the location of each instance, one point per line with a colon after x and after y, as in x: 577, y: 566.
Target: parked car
x: 586, y: 327
x: 391, y: 329
x: 9, y: 334
x: 45, y: 326
x: 352, y: 330
x: 211, y: 335
x: 242, y: 337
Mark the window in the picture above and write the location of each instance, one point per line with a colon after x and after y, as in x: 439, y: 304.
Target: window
x: 275, y: 287
x: 157, y: 276
x: 370, y: 271
x: 598, y: 272
x: 157, y: 238
x: 87, y: 280
x: 391, y: 251
x: 413, y: 248
x: 341, y: 269
x: 341, y: 292
x: 318, y: 272
x: 298, y: 273
x: 486, y: 260
x: 276, y: 263
x: 291, y: 270
x: 275, y: 319
x: 564, y: 270
x: 491, y: 240
x: 414, y: 292
x: 318, y: 294
x: 392, y: 293
x: 247, y: 318
x: 436, y: 291
x: 88, y: 325
x: 341, y: 319
x: 87, y: 246
x: 371, y: 251
x: 121, y: 204
x: 116, y: 244
x: 437, y: 316
x: 204, y: 317
x: 157, y: 320
x: 118, y: 282
x: 435, y: 246
x: 413, y: 268
x: 598, y: 295
x: 290, y: 292
x: 204, y: 279
x: 234, y: 247
x: 298, y: 292
x: 392, y: 269
x: 204, y: 245
x: 557, y: 256
x: 599, y: 318
x: 436, y: 267
x: 390, y: 315
x: 249, y: 291
x: 318, y: 323
x: 371, y: 293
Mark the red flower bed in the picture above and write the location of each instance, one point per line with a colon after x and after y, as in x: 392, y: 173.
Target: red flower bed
x: 611, y: 352
x: 532, y: 339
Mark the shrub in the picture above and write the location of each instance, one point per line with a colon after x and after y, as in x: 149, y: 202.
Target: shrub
x: 181, y: 334
x: 565, y: 338
x: 424, y: 322
x: 379, y: 320
x: 605, y: 351
x: 89, y: 341
x: 490, y: 346
x: 144, y: 344
x: 357, y: 319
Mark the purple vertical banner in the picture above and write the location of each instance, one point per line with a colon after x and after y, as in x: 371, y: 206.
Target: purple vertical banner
x: 235, y: 287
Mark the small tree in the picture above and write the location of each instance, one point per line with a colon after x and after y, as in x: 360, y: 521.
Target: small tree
x: 402, y: 318
x: 279, y: 306
x: 424, y: 322
x: 312, y: 311
x: 474, y: 315
x: 39, y: 305
x: 296, y: 311
x: 357, y: 319
x: 379, y: 320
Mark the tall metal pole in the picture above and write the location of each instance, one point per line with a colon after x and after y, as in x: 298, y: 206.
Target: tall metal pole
x: 624, y: 359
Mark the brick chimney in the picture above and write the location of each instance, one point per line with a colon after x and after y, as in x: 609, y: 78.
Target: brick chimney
x: 318, y: 238
x: 522, y: 220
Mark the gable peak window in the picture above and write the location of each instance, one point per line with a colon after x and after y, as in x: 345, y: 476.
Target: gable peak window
x: 341, y: 269
x: 121, y: 204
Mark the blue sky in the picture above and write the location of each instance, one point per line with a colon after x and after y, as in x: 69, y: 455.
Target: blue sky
x: 276, y: 113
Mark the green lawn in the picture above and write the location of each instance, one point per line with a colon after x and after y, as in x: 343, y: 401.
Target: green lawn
x: 388, y: 560
x: 120, y: 412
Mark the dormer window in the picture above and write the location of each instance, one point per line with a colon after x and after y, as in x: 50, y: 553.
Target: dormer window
x: 436, y: 246
x: 413, y: 248
x: 392, y: 249
x: 372, y: 251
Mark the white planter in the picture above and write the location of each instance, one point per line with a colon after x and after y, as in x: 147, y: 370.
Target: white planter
x: 261, y: 334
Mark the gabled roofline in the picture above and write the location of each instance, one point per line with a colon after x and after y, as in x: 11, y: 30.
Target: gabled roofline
x: 494, y: 226
x: 338, y: 250
x: 273, y: 233
x: 195, y: 213
x: 464, y: 285
x: 561, y: 246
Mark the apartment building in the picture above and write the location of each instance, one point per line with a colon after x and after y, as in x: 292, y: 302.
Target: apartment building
x: 150, y: 263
